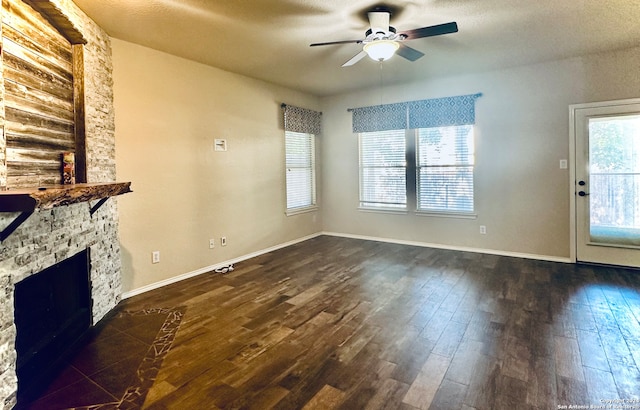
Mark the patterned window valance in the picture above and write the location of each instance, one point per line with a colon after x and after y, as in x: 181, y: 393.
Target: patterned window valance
x: 380, y: 118
x: 297, y: 119
x: 436, y: 112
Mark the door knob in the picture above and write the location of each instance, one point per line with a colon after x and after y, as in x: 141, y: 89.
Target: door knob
x: 582, y: 193
x: 582, y: 183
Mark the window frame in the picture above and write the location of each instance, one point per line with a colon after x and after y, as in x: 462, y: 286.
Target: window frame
x: 412, y: 179
x: 311, y: 166
x: 458, y: 162
x: 367, y: 205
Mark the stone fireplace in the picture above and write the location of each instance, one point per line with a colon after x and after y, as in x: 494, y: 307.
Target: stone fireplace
x: 49, y: 236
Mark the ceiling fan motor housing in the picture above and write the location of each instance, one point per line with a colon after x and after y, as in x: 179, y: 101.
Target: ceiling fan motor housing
x: 389, y: 32
x: 379, y: 21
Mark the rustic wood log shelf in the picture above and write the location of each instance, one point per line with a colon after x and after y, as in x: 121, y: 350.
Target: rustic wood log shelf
x: 28, y: 200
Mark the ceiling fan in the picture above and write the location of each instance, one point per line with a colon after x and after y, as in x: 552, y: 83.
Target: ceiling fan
x: 382, y: 41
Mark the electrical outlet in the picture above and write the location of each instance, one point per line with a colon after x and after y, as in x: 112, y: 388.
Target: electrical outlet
x: 155, y: 257
x: 212, y: 243
x: 223, y: 241
x: 483, y: 230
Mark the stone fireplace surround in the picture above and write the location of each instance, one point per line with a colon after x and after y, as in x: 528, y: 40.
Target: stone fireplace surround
x: 50, y: 236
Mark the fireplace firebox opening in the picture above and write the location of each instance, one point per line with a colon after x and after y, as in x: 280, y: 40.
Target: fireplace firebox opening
x: 52, y: 314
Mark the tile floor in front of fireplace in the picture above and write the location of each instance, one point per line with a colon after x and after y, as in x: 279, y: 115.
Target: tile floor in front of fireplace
x: 115, y: 367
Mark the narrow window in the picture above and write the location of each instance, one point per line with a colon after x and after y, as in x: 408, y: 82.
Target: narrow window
x: 300, y: 171
x: 383, y: 166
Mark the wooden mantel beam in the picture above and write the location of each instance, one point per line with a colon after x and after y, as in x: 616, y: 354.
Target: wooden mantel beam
x: 47, y: 197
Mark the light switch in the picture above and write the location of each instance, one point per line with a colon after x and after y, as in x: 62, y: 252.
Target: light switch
x: 220, y: 145
x: 563, y: 164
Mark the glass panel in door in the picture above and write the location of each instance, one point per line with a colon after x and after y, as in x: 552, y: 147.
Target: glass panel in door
x: 614, y: 168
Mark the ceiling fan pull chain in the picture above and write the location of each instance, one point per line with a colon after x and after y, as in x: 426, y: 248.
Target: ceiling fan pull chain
x: 381, y: 82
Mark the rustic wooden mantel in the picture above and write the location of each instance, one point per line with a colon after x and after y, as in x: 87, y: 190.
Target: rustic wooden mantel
x: 47, y: 197
x: 29, y: 200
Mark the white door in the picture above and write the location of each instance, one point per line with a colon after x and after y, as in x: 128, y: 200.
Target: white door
x: 607, y: 182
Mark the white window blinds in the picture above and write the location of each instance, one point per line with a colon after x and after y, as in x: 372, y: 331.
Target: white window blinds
x: 300, y: 170
x: 445, y: 161
x: 383, y: 169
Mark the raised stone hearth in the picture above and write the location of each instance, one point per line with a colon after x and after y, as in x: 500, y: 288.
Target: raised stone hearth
x: 49, y: 236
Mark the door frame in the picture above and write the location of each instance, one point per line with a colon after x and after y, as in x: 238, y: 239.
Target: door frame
x: 572, y: 165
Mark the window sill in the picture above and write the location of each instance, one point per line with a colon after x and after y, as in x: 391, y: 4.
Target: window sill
x: 443, y: 214
x: 419, y: 213
x: 396, y: 211
x: 298, y: 211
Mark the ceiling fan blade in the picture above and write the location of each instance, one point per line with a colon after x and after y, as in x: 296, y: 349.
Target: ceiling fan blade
x: 355, y: 59
x: 336, y: 42
x: 409, y: 53
x: 431, y: 31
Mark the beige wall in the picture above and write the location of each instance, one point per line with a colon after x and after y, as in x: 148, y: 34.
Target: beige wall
x: 168, y: 113
x: 169, y: 110
x: 522, y: 196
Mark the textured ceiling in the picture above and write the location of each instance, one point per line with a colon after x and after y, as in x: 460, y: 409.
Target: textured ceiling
x: 269, y: 39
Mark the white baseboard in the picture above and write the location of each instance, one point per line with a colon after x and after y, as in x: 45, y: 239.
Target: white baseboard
x: 206, y: 269
x: 454, y: 248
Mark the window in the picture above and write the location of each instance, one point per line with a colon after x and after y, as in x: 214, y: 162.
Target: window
x: 426, y: 163
x: 445, y: 157
x: 439, y: 177
x: 383, y: 175
x: 301, y: 126
x: 300, y: 171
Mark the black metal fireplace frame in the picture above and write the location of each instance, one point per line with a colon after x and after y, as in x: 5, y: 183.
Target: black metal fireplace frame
x: 49, y: 328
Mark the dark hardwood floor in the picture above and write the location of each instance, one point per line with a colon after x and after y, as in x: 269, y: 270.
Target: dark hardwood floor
x: 351, y: 324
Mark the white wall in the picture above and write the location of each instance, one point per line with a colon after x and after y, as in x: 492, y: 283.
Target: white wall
x: 522, y: 131
x: 168, y: 113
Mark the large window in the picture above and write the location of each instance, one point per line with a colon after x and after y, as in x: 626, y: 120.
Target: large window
x: 426, y: 162
x: 383, y: 173
x: 445, y: 169
x: 431, y: 167
x: 300, y: 168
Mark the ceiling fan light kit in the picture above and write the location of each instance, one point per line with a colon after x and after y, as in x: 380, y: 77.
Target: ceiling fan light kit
x: 381, y: 41
x: 381, y: 50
